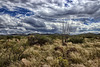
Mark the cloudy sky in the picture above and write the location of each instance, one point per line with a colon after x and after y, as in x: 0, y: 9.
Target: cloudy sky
x: 47, y: 16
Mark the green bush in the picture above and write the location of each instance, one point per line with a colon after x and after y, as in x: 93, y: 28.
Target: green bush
x: 9, y: 37
x: 63, y: 62
x: 6, y: 37
x: 17, y: 37
x: 42, y: 39
x: 76, y: 40
x: 39, y: 39
x: 55, y: 36
x: 1, y: 37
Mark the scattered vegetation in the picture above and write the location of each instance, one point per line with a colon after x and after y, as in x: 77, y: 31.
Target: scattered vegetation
x: 47, y: 51
x: 76, y: 39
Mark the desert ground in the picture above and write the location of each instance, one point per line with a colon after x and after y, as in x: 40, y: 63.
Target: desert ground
x: 48, y: 51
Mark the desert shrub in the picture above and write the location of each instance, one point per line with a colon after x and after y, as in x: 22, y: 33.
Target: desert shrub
x: 86, y: 46
x: 14, y: 52
x: 55, y: 36
x: 55, y: 63
x: 3, y: 41
x: 17, y: 37
x: 31, y: 40
x: 98, y: 52
x: 6, y: 37
x: 5, y: 58
x: 1, y: 37
x: 25, y: 45
x: 18, y: 51
x: 93, y: 54
x: 70, y: 50
x: 24, y: 56
x: 39, y: 39
x: 10, y: 51
x: 4, y: 62
x: 76, y: 40
x: 43, y: 39
x: 96, y: 45
x: 75, y: 58
x: 7, y: 45
x: 63, y: 62
x: 9, y: 37
x: 90, y: 35
x: 57, y: 54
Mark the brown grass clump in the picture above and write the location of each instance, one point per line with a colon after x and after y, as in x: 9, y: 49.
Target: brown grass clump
x: 26, y: 63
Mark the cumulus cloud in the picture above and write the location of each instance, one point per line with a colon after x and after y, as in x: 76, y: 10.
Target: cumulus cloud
x: 39, y: 16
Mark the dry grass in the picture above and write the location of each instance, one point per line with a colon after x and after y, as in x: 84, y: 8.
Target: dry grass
x: 18, y: 53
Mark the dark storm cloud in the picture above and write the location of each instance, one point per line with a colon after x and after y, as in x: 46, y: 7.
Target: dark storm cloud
x: 34, y: 23
x: 39, y: 26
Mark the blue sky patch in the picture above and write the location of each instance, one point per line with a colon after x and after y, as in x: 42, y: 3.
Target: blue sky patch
x: 69, y: 1
x: 18, y: 10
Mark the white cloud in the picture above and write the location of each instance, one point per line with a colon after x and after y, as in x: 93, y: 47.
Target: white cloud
x: 44, y: 11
